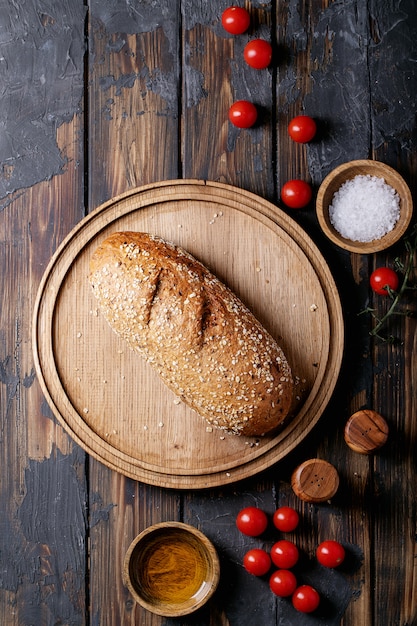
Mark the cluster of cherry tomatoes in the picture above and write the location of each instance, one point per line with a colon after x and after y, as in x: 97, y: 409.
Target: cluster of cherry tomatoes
x: 296, y: 194
x: 257, y: 54
x: 284, y: 555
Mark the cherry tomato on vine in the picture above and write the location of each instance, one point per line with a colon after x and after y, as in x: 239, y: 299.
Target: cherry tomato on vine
x: 243, y: 114
x: 330, y: 553
x: 251, y: 521
x: 296, y: 194
x: 257, y: 562
x: 283, y: 583
x: 286, y: 519
x: 383, y: 277
x: 258, y: 53
x: 284, y: 554
x: 235, y: 20
x: 302, y: 128
x: 305, y: 599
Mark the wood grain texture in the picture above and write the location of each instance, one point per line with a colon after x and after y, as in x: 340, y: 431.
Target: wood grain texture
x: 133, y: 98
x: 133, y: 139
x: 394, y: 376
x: 214, y: 77
x: 366, y: 431
x: 315, y: 480
x: 158, y: 79
x: 43, y: 487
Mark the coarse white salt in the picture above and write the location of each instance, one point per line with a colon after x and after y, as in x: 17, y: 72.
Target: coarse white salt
x: 364, y: 208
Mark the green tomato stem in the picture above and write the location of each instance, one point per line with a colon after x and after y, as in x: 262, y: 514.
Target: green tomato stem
x: 411, y: 246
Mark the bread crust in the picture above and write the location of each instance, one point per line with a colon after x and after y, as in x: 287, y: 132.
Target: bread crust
x: 201, y: 339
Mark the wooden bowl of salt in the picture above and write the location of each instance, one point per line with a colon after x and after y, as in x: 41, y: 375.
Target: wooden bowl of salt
x: 171, y: 569
x: 364, y: 206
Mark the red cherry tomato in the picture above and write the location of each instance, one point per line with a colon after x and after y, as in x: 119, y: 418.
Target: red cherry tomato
x: 257, y: 562
x: 305, y: 599
x: 302, y: 128
x: 330, y: 553
x: 383, y: 277
x: 286, y: 519
x: 251, y: 521
x: 235, y: 20
x: 284, y: 554
x: 296, y: 194
x: 258, y: 53
x: 283, y: 583
x: 243, y: 114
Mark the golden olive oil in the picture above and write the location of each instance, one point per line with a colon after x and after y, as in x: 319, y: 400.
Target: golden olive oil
x: 173, y: 568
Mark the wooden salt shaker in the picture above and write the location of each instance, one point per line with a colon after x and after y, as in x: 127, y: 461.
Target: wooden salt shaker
x: 366, y: 431
x: 315, y: 480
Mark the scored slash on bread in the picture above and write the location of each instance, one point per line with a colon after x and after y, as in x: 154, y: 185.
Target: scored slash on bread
x: 206, y: 345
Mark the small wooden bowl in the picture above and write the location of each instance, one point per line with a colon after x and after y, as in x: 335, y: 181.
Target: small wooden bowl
x: 171, y: 569
x: 347, y: 171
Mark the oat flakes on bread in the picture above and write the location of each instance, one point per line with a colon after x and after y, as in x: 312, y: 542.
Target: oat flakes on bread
x: 205, y: 344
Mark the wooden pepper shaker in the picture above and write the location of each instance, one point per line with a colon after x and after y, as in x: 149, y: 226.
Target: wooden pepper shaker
x: 315, y: 480
x: 366, y: 431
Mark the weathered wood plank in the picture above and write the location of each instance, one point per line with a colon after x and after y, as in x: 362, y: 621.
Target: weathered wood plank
x: 43, y: 489
x: 133, y: 97
x: 394, y: 101
x: 133, y: 140
x: 322, y: 43
x: 214, y: 76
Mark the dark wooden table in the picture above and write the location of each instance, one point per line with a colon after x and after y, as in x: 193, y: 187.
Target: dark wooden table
x: 103, y: 96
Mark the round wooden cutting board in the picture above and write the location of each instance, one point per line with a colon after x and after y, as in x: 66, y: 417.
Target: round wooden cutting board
x: 114, y: 405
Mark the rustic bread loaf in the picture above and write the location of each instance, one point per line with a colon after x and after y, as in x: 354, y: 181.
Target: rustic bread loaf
x: 205, y: 344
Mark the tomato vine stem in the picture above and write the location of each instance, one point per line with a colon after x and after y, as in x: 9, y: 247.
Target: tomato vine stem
x: 406, y: 269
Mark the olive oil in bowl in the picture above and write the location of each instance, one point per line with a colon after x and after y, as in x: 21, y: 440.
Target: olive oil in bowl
x: 171, y: 569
